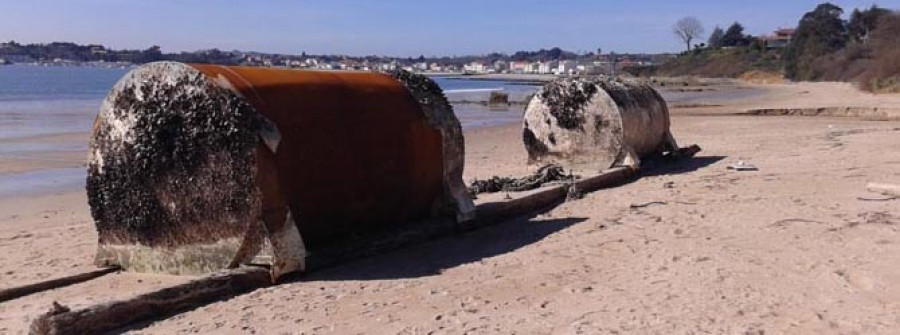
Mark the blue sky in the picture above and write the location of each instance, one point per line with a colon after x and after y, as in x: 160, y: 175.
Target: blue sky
x: 394, y: 28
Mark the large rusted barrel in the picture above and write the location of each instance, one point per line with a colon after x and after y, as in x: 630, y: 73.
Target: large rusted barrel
x: 195, y: 168
x: 593, y: 124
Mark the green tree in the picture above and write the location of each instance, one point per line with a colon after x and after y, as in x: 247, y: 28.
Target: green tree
x: 820, y: 32
x: 152, y: 54
x: 715, y: 38
x: 734, y: 36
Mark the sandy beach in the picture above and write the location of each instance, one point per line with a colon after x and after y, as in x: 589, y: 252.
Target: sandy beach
x: 798, y: 247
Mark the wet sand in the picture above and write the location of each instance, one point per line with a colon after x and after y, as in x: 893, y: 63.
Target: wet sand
x: 693, y: 248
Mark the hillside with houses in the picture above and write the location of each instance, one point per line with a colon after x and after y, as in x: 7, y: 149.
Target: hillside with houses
x: 545, y: 61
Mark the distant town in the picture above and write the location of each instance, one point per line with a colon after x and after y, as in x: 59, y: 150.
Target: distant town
x: 546, y: 61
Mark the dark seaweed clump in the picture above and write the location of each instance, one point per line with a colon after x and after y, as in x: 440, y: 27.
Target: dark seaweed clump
x: 544, y: 175
x: 566, y: 100
x: 177, y: 129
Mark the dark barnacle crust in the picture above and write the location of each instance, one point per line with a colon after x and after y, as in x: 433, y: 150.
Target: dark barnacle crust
x: 166, y: 148
x: 440, y: 115
x: 567, y: 99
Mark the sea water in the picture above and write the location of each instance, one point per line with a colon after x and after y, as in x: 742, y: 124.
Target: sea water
x: 50, y: 100
x: 39, y: 102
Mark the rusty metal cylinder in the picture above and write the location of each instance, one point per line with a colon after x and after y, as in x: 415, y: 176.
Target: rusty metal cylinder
x: 594, y: 124
x: 195, y: 168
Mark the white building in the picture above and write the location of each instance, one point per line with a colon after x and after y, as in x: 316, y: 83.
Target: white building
x: 518, y: 67
x: 587, y: 69
x: 546, y: 67
x: 566, y: 67
x: 501, y: 66
x: 474, y: 67
x: 388, y: 66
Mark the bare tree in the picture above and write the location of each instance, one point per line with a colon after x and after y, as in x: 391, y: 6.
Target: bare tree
x: 687, y: 29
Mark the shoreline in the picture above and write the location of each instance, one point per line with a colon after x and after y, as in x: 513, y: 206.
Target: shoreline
x: 42, y: 164
x: 523, y: 79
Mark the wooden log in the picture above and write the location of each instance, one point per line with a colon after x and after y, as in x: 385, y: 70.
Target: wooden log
x: 487, y: 214
x: 885, y: 189
x: 503, y: 210
x: 610, y: 178
x: 21, y: 291
x: 115, y: 315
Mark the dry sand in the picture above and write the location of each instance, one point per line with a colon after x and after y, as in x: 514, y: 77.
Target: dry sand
x: 693, y: 248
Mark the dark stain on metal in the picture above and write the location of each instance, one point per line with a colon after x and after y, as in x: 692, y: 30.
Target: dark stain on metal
x: 566, y: 99
x: 535, y: 147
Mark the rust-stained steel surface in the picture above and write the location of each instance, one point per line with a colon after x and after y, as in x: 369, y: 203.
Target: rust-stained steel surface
x: 193, y: 167
x: 355, y: 147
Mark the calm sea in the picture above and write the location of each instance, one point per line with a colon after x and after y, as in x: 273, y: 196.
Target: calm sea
x: 37, y: 103
x: 36, y: 100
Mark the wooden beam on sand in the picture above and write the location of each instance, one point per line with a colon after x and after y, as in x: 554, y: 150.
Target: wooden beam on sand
x: 503, y: 210
x: 116, y: 315
x: 884, y: 189
x: 110, y: 316
x: 486, y: 214
x: 21, y: 291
